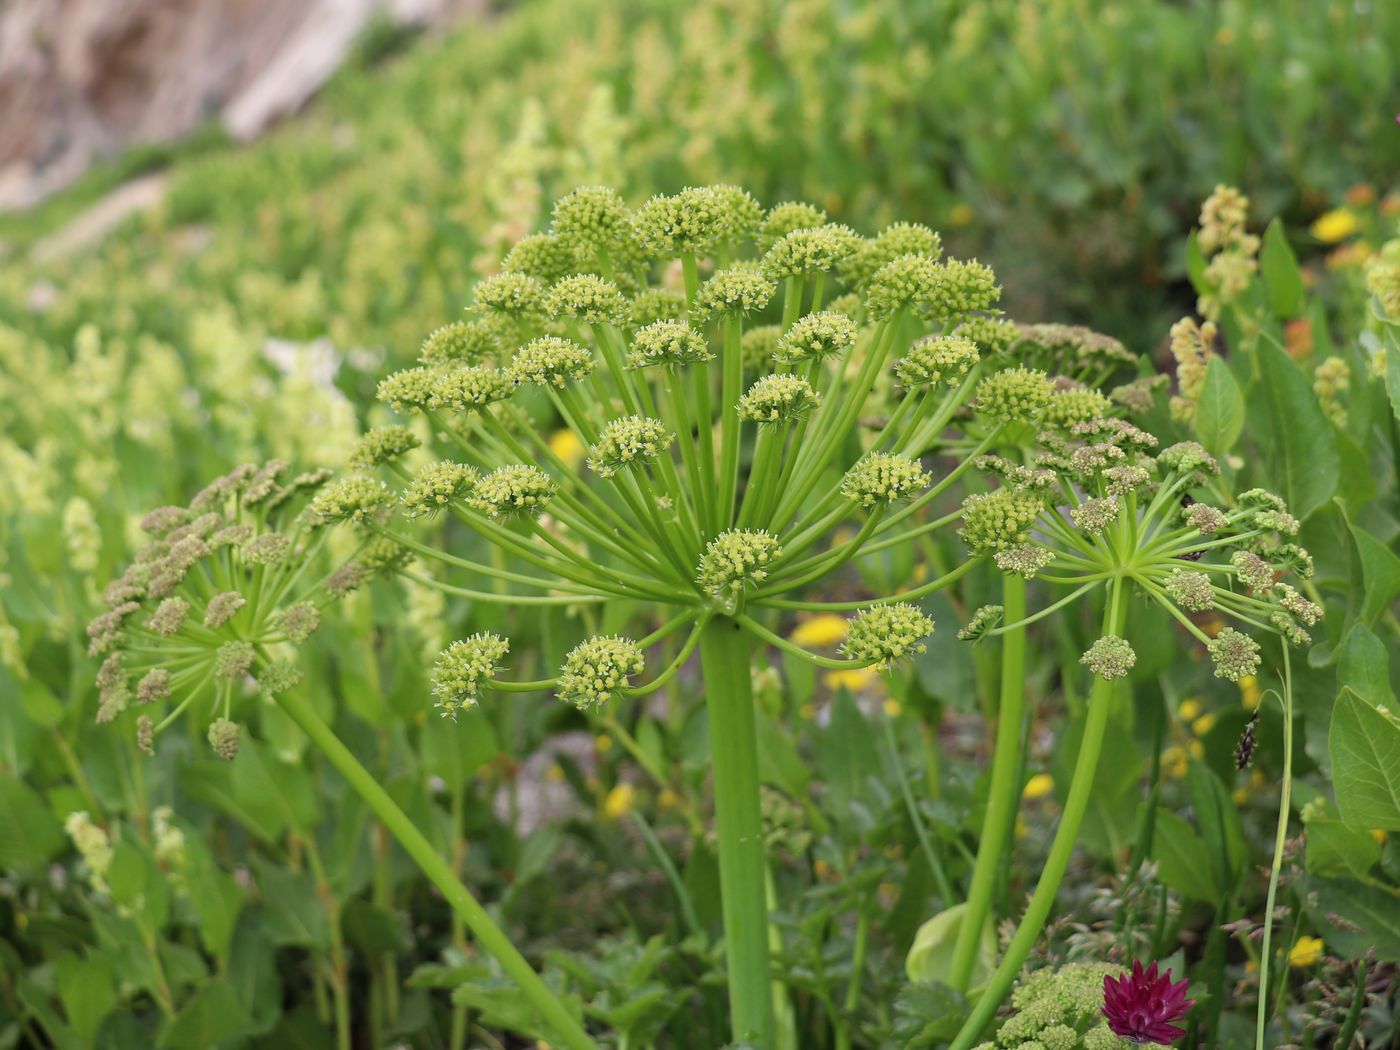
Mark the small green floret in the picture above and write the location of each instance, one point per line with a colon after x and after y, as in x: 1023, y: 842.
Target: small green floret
x: 735, y: 561
x: 882, y: 478
x: 626, y: 442
x: 1235, y: 655
x: 551, y: 361
x: 816, y: 336
x: 1110, y: 657
x: 354, y: 499
x: 672, y: 343
x: 510, y: 294
x: 382, y: 445
x: 778, y: 399
x: 733, y: 292
x: 986, y: 618
x: 597, y: 669
x: 515, y: 491
x: 588, y: 298
x: 436, y: 487
x: 885, y: 634
x: 996, y: 520
x: 1016, y: 395
x: 464, y: 669
x: 936, y: 359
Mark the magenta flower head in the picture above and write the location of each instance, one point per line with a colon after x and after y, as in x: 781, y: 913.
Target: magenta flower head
x: 1141, y: 1006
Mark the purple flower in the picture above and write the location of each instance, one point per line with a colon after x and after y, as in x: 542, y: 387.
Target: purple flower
x: 1140, y: 1005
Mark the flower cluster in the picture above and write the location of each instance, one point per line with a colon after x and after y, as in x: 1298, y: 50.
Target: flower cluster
x: 213, y: 607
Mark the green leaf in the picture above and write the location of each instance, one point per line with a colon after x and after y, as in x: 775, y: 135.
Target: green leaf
x: 87, y: 987
x: 1365, y: 666
x: 846, y: 752
x: 454, y: 751
x: 218, y: 901
x: 928, y: 1015
x: 1220, y: 410
x: 372, y: 929
x: 1281, y: 273
x: 1370, y: 919
x: 1219, y: 823
x: 1178, y: 851
x: 778, y: 761
x: 1305, y: 451
x: 294, y: 913
x: 1392, y: 367
x: 1380, y: 572
x: 1364, y: 746
x: 1195, y: 264
x: 931, y: 954
x: 29, y: 835
x: 212, y: 1015
x: 1334, y: 848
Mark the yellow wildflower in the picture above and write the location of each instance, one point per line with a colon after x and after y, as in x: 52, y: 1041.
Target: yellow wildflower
x: 555, y: 772
x: 1335, y: 225
x: 668, y: 799
x: 603, y: 742
x: 1039, y: 786
x: 620, y: 801
x: 1249, y: 692
x: 893, y: 708
x: 1204, y: 724
x: 820, y: 632
x: 855, y: 679
x: 1189, y: 710
x: 1174, y: 762
x: 1306, y: 952
x: 1379, y: 835
x: 960, y: 214
x: 567, y: 445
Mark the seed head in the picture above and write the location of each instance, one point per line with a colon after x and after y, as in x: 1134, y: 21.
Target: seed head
x: 991, y: 334
x: 221, y: 608
x: 545, y: 256
x: 169, y: 617
x: 588, y: 298
x: 1014, y: 395
x: 1110, y: 657
x: 472, y: 387
x: 625, y: 441
x: 383, y: 556
x: 267, y: 549
x: 784, y: 218
x: 231, y: 536
x: 1244, y: 748
x: 996, y: 520
x: 690, y: 223
x: 985, y: 619
x: 436, y: 486
x: 515, y: 491
x: 465, y: 668
x: 1074, y: 405
x: 408, y: 389
x: 1296, y: 605
x: 1290, y: 629
x: 146, y: 735
x: 803, y: 252
x: 594, y: 218
x: 736, y: 291
x: 551, y: 361
x: 778, y: 399
x: 1279, y: 521
x: 460, y: 343
x: 596, y: 670
x: 355, y: 498
x: 1204, y: 518
x: 1188, y: 456
x: 655, y: 304
x: 223, y: 738
x: 161, y: 520
x: 345, y: 579
x: 1235, y: 655
x: 510, y: 294
x: 154, y: 686
x: 298, y: 621
x: 233, y: 659
x: 1123, y: 479
x: 1024, y: 559
x: 816, y: 336
x: 904, y: 283
x: 382, y: 445
x: 1095, y: 514
x: 885, y: 634
x: 104, y: 631
x: 1191, y: 590
x: 1254, y: 572
x: 672, y: 343
x: 277, y: 678
x: 936, y: 359
x: 882, y: 478
x: 736, y: 560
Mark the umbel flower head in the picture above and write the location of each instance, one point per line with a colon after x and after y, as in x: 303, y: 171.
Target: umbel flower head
x: 213, y: 608
x: 745, y: 437
x: 1141, y: 1006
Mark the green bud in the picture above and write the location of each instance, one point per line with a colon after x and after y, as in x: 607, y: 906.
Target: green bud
x: 1095, y: 514
x: 510, y: 294
x: 1235, y: 655
x: 146, y: 735
x: 223, y: 738
x: 901, y: 238
x: 353, y: 499
x: 1191, y: 590
x: 462, y: 342
x: 735, y: 561
x: 904, y: 283
x: 936, y: 359
x: 597, y: 669
x: 515, y: 491
x: 1124, y: 479
x: 960, y: 287
x: 221, y: 608
x: 267, y: 549
x: 382, y: 445
x: 816, y: 336
x: 741, y: 214
x: 626, y: 441
x: 736, y: 291
x: 408, y: 389
x: 655, y: 304
x: 588, y: 298
x: 1254, y: 572
x: 985, y: 619
x: 545, y: 256
x: 885, y: 634
x: 436, y: 486
x: 594, y: 218
x: 882, y: 478
x: 1188, y: 456
x: 778, y: 399
x: 1204, y: 518
x: 277, y: 678
x: 671, y: 343
x: 465, y: 668
x: 1110, y: 657
x: 1074, y: 405
x: 471, y: 388
x: 996, y: 520
x: 1298, y: 606
x: 992, y: 335
x: 1277, y: 520
x: 234, y: 659
x: 551, y: 361
x: 804, y: 252
x: 784, y: 218
x: 690, y: 223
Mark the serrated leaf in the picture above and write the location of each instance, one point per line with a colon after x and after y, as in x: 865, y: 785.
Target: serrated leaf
x: 1305, y: 452
x: 1281, y: 274
x: 1220, y: 410
x: 1364, y: 746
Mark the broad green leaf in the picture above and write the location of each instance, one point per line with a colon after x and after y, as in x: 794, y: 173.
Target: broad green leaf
x: 1364, y: 746
x: 1281, y: 273
x: 779, y: 763
x: 1220, y: 410
x: 456, y: 750
x: 1369, y: 918
x: 29, y: 835
x: 294, y: 913
x: 928, y: 1015
x: 87, y: 987
x: 212, y: 1015
x: 218, y: 901
x: 1178, y: 851
x: 1380, y: 573
x: 1334, y: 848
x: 1305, y: 452
x: 846, y: 752
x: 372, y: 929
x: 931, y: 954
x: 1365, y: 666
x: 1219, y: 823
x: 1357, y: 485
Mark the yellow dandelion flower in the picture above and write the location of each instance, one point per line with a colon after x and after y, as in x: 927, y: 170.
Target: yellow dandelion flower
x: 568, y: 446
x: 620, y: 801
x: 1335, y: 225
x: 1306, y: 952
x: 1039, y: 786
x: 820, y: 632
x: 855, y: 679
x: 1189, y: 710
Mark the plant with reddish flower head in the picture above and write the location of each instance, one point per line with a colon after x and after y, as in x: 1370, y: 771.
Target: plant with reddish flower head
x: 1141, y: 1005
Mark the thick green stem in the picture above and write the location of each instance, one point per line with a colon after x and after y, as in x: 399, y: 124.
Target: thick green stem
x: 724, y: 654
x: 488, y: 935
x: 1082, y: 782
x: 1280, y: 839
x: 1004, y: 793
